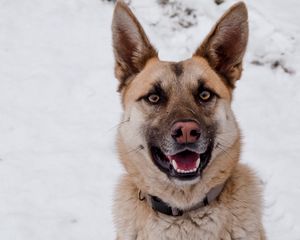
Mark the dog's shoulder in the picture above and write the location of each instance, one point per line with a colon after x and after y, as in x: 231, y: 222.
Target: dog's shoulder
x: 126, y: 207
x: 125, y: 199
x: 245, y: 185
x: 243, y: 199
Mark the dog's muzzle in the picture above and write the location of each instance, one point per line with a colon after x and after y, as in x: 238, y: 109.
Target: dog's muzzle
x: 188, y: 161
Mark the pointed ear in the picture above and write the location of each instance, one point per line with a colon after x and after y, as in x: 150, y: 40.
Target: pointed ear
x: 225, y: 46
x: 132, y: 49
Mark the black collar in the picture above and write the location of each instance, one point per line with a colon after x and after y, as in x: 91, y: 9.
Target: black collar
x: 160, y: 206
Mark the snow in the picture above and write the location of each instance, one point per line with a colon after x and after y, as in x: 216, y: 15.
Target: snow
x: 59, y: 110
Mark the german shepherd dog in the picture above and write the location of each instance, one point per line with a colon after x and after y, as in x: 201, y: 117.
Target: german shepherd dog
x: 179, y: 141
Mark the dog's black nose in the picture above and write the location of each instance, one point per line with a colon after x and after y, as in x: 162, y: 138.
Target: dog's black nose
x: 186, y: 132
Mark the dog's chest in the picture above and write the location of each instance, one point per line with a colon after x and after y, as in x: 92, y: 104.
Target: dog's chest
x: 206, y: 225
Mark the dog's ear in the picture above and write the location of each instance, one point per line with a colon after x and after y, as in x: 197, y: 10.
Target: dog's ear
x: 225, y: 46
x: 132, y: 49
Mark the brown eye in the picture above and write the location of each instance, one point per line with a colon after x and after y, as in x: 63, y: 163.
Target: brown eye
x: 153, y: 98
x: 205, y: 95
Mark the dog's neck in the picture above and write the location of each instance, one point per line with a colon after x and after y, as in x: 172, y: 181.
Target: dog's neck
x: 165, y: 208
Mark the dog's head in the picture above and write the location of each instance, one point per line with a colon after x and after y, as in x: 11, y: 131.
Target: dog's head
x: 177, y: 115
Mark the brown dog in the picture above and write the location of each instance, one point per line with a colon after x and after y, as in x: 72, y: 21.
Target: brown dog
x: 179, y: 141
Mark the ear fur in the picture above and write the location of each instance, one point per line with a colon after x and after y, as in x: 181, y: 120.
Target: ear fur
x: 225, y: 46
x: 132, y: 49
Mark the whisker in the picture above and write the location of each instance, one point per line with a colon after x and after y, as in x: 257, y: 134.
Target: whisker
x: 223, y: 140
x: 224, y: 151
x: 140, y: 147
x: 119, y: 124
x: 226, y: 133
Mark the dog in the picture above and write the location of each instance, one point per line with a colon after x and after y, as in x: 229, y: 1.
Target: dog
x: 178, y: 139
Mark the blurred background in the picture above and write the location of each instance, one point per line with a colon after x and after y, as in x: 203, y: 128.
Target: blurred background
x: 59, y: 109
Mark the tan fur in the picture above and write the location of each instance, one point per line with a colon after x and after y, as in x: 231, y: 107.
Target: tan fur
x: 236, y: 213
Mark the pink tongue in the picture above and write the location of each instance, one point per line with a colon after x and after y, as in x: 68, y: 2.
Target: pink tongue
x: 185, y: 160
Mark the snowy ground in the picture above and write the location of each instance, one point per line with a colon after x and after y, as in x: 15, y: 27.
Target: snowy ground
x: 59, y: 110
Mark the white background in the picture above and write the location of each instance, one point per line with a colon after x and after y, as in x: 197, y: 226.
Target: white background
x: 59, y: 110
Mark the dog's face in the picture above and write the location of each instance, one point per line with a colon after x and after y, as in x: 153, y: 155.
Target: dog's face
x: 177, y: 115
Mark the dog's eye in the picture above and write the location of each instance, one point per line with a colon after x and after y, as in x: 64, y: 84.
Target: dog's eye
x: 205, y: 95
x: 153, y: 98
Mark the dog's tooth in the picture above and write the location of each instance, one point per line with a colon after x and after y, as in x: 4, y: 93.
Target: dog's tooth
x: 185, y: 171
x: 174, y: 165
x: 182, y: 170
x: 197, y: 163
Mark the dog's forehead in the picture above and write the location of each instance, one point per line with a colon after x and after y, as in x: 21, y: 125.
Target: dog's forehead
x: 182, y: 75
x: 156, y: 71
x: 197, y: 69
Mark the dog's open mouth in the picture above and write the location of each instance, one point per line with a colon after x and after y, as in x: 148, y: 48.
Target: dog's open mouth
x: 185, y: 165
